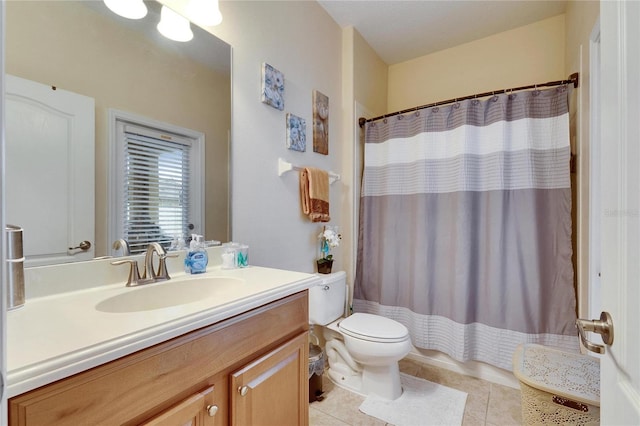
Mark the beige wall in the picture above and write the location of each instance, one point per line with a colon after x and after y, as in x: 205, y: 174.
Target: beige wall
x: 364, y: 83
x: 526, y: 55
x: 581, y: 17
x: 347, y: 151
x: 370, y: 76
x: 75, y: 52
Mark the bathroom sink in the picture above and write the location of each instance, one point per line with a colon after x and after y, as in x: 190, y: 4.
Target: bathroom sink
x: 167, y: 294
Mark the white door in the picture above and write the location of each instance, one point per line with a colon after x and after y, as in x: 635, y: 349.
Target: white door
x: 49, y: 170
x: 620, y: 201
x: 3, y: 306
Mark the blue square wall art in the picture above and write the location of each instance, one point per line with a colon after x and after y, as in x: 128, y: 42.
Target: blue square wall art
x: 296, y: 133
x: 272, y: 87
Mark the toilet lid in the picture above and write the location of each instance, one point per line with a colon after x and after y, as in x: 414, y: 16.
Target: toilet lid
x: 374, y: 328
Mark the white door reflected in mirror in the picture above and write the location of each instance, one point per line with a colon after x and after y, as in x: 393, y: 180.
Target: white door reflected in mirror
x: 50, y: 175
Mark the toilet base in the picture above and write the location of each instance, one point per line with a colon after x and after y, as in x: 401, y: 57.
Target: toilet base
x: 383, y: 382
x: 366, y: 368
x: 351, y: 383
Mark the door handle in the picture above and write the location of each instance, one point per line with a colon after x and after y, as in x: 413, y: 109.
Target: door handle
x: 603, y: 326
x: 84, y: 246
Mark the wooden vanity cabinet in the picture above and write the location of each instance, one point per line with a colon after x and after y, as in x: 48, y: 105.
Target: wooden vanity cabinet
x: 261, y: 392
x: 193, y: 411
x: 249, y: 369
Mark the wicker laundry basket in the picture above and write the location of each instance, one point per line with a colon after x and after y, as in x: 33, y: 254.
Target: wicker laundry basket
x: 558, y: 388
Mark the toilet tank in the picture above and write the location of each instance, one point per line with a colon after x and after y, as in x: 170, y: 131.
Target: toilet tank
x: 327, y: 299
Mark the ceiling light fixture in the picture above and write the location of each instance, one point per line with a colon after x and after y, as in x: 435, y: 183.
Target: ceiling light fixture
x: 131, y: 9
x: 204, y: 12
x: 174, y: 26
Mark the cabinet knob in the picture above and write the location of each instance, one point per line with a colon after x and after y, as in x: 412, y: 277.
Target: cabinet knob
x: 243, y: 390
x: 212, y: 410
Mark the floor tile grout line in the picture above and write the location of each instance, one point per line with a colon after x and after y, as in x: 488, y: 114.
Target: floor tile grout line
x: 486, y: 410
x: 333, y: 417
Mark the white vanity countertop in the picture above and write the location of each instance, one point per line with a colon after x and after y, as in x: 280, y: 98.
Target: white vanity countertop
x: 55, y: 336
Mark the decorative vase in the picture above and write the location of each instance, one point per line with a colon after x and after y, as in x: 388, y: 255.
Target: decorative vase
x: 324, y: 266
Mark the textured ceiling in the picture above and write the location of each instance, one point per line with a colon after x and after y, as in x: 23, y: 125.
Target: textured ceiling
x: 399, y: 30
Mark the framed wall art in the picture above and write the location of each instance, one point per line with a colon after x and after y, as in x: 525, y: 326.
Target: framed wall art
x: 320, y: 123
x: 272, y: 87
x: 296, y: 133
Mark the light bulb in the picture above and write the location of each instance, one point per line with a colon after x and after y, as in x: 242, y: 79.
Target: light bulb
x: 174, y: 26
x: 131, y: 9
x: 204, y: 12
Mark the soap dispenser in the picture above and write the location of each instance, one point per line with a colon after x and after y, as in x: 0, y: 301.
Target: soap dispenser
x: 197, y: 258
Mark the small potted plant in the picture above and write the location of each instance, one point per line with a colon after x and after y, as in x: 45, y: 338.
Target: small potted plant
x: 329, y: 239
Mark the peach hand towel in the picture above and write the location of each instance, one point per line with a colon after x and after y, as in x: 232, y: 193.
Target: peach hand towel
x: 314, y: 194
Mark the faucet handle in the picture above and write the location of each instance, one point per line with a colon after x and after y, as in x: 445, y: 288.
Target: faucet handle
x: 163, y: 273
x: 134, y: 274
x: 123, y: 245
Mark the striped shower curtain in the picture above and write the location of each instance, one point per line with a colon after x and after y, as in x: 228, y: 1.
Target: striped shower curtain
x: 465, y: 225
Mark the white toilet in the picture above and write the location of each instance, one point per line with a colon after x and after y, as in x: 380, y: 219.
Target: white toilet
x: 363, y: 349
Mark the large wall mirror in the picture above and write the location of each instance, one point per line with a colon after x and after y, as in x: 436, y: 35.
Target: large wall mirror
x: 126, y: 65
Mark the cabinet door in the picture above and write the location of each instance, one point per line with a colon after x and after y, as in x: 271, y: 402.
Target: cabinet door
x: 197, y: 410
x: 274, y: 389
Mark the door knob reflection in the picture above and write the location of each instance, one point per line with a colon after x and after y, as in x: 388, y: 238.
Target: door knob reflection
x: 84, y: 246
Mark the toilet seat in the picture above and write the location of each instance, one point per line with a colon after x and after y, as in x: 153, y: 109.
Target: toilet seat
x: 373, y: 328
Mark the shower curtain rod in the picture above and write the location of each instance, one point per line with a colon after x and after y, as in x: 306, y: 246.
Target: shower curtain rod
x: 573, y: 79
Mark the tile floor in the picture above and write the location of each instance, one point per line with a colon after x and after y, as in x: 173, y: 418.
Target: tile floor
x: 488, y: 404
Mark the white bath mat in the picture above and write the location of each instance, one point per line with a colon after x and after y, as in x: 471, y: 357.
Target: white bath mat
x: 422, y: 403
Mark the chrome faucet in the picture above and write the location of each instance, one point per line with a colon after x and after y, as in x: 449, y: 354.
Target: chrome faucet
x: 161, y: 274
x: 149, y: 275
x: 134, y: 278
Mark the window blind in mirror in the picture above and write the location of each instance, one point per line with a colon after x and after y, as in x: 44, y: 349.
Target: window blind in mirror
x: 155, y: 205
